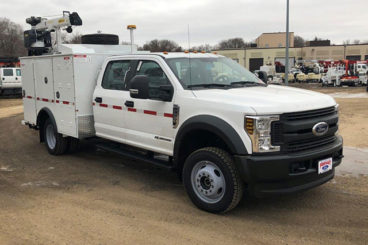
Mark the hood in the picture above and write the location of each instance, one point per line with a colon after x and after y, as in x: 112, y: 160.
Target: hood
x: 273, y: 99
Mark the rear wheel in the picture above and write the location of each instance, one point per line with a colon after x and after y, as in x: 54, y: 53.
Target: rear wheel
x: 212, y: 180
x: 55, y: 143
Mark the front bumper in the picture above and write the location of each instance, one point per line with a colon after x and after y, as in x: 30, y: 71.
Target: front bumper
x: 287, y: 173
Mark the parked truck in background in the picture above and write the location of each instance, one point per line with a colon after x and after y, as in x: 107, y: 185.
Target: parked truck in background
x: 10, y: 80
x: 204, y: 116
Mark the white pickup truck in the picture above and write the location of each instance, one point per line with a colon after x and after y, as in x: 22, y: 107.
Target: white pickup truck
x: 10, y: 79
x: 220, y: 126
x: 204, y: 116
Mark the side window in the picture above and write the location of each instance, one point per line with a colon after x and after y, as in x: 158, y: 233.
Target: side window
x: 154, y: 72
x: 117, y: 75
x: 18, y: 72
x: 8, y: 72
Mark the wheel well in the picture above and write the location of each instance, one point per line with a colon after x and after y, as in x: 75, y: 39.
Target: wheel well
x: 42, y: 116
x: 194, y: 140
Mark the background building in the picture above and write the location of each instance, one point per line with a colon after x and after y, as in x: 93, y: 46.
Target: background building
x: 274, y: 40
x: 253, y: 58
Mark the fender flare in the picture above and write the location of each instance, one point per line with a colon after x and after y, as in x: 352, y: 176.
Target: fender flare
x: 52, y: 118
x: 214, y: 125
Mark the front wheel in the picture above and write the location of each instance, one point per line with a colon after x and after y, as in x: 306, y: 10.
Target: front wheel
x: 212, y: 180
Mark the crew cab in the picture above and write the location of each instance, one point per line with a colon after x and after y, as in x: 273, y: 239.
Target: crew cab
x: 10, y: 79
x: 202, y: 115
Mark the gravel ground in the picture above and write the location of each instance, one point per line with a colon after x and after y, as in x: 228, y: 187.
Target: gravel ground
x: 94, y: 197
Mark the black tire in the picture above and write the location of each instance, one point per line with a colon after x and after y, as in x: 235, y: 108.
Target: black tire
x: 73, y: 145
x: 106, y: 39
x: 233, y: 185
x: 61, y: 143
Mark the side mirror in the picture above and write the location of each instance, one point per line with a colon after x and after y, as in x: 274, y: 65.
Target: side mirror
x: 263, y: 76
x: 163, y: 92
x: 139, y: 87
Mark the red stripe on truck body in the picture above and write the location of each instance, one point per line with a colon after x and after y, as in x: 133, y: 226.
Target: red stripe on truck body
x: 154, y: 113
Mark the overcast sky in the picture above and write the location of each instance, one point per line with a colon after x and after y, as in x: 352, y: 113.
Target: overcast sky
x: 210, y: 21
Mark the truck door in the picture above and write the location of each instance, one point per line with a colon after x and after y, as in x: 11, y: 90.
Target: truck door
x: 109, y: 98
x: 64, y: 91
x: 44, y: 83
x: 148, y: 121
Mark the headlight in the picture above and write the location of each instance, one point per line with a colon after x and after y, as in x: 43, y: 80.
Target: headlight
x: 259, y: 130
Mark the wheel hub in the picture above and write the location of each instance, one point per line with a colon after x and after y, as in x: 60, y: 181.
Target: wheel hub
x: 50, y: 136
x: 208, y: 181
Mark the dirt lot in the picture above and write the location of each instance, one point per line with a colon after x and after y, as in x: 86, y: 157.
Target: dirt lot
x: 93, y: 197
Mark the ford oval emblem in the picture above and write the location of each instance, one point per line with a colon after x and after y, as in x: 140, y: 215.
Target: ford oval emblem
x: 320, y: 129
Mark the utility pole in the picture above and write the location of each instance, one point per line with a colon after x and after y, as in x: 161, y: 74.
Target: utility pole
x: 286, y: 77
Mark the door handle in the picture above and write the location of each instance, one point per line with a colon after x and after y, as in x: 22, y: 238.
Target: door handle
x: 98, y: 99
x: 129, y: 103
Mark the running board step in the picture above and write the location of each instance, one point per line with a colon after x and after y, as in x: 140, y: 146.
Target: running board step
x: 136, y: 156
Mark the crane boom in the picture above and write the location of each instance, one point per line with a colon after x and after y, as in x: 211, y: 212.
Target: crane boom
x: 38, y: 39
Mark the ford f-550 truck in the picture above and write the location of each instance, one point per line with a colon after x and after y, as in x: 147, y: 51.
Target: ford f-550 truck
x: 203, y: 115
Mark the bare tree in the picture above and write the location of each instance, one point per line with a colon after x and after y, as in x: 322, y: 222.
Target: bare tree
x: 232, y: 43
x: 299, y: 41
x: 203, y: 47
x: 75, y: 38
x: 356, y: 41
x: 346, y: 42
x: 11, y: 39
x: 162, y: 45
x: 317, y: 39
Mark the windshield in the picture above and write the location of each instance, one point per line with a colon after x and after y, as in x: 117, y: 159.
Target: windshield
x: 216, y: 72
